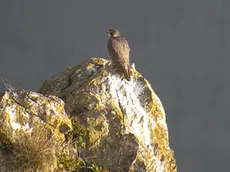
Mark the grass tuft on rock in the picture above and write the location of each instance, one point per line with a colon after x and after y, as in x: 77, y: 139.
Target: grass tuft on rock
x: 35, y: 151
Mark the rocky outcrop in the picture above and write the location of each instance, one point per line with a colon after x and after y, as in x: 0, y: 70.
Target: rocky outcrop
x: 112, y: 124
x: 32, y: 127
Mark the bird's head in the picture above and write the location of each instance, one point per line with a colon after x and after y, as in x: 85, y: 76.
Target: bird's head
x: 113, y: 33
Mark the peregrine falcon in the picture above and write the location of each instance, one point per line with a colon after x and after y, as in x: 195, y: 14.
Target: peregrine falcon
x: 119, y: 52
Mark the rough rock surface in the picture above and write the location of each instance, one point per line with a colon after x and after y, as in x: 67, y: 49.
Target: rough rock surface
x: 32, y: 126
x: 125, y: 120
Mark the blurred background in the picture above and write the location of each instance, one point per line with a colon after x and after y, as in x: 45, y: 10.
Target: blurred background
x: 181, y: 47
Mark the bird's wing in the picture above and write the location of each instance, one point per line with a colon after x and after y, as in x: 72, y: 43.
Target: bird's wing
x: 120, y: 48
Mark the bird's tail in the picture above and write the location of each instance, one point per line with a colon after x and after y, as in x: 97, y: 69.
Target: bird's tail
x: 126, y: 71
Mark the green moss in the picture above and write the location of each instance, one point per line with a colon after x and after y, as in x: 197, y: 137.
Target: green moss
x: 78, y: 135
x: 69, y: 163
x: 95, y: 168
x: 72, y: 164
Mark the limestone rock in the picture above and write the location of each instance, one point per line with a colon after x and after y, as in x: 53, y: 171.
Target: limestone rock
x: 32, y: 128
x: 125, y: 120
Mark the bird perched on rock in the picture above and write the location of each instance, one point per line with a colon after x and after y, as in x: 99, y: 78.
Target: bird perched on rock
x: 119, y: 52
